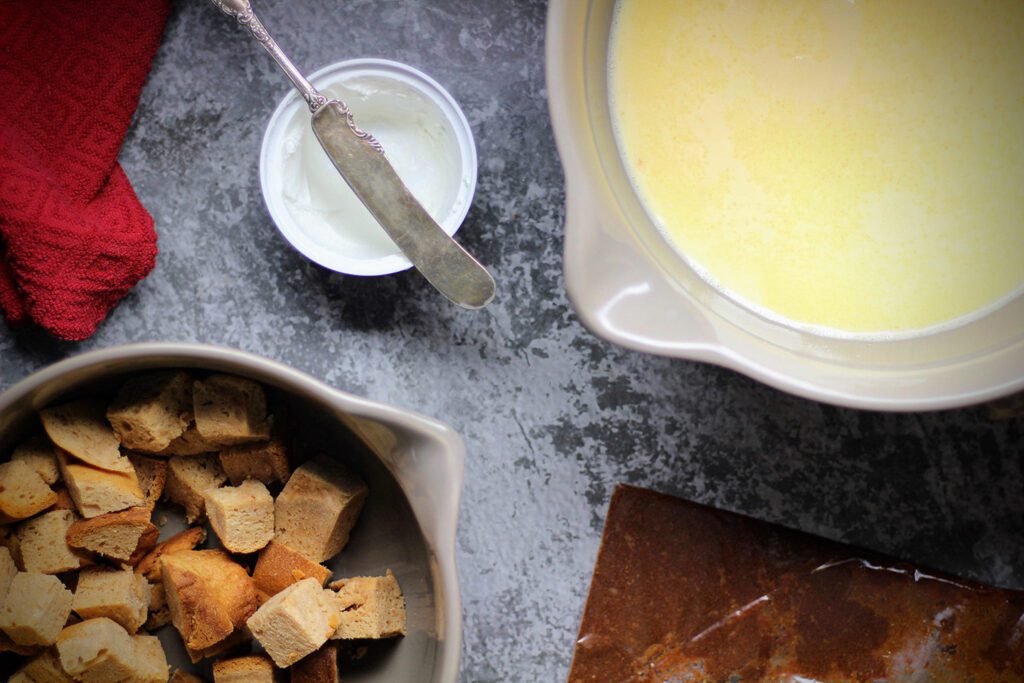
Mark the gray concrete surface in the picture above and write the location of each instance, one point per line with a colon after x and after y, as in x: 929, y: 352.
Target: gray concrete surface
x: 552, y: 416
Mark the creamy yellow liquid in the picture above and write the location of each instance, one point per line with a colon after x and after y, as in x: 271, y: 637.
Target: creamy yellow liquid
x: 853, y: 165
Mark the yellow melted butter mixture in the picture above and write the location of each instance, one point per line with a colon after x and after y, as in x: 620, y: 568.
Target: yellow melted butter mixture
x: 855, y: 165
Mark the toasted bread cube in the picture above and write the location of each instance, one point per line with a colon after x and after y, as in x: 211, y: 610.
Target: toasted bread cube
x: 318, y: 507
x: 23, y: 492
x: 81, y: 429
x: 188, y: 539
x: 36, y: 609
x: 189, y: 478
x: 230, y: 410
x: 38, y: 454
x: 209, y: 595
x: 117, y: 535
x: 319, y: 667
x: 97, y: 492
x: 43, y: 668
x: 182, y: 677
x: 152, y: 410
x: 263, y: 461
x: 118, y: 594
x: 236, y: 642
x: 242, y: 516
x: 150, y: 660
x: 279, y: 567
x: 97, y: 651
x: 250, y: 669
x: 159, y: 614
x: 7, y: 571
x: 372, y: 607
x: 152, y: 474
x: 295, y: 622
x: 42, y: 542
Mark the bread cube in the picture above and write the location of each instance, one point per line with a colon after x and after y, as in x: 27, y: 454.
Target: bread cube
x: 266, y: 462
x: 36, y: 609
x: 43, y: 668
x: 118, y: 594
x: 152, y: 410
x: 42, y: 543
x: 96, y: 491
x: 295, y: 622
x: 372, y: 607
x: 23, y: 492
x: 208, y: 594
x: 319, y: 667
x: 279, y: 567
x: 230, y: 410
x: 188, y: 539
x: 150, y: 660
x: 81, y: 429
x: 318, y: 507
x: 251, y: 669
x: 117, y: 535
x: 97, y: 651
x: 182, y: 677
x: 242, y: 516
x: 7, y: 571
x: 189, y: 478
x: 38, y: 454
x: 152, y: 475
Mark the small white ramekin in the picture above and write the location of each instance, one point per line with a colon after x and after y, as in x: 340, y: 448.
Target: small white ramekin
x: 371, y: 261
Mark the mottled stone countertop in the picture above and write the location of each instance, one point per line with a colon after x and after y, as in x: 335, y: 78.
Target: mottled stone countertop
x: 552, y: 416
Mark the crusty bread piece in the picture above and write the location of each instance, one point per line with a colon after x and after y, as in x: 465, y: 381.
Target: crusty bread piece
x: 38, y: 454
x: 42, y: 543
x: 237, y: 643
x: 118, y: 594
x: 371, y: 607
x: 43, y: 668
x: 241, y: 516
x: 279, y: 567
x: 295, y: 622
x: 97, y: 651
x: 189, y: 478
x: 23, y: 492
x: 150, y: 660
x: 230, y: 409
x: 81, y: 429
x: 183, y: 677
x: 264, y: 461
x: 159, y: 614
x: 319, y: 667
x: 188, y: 539
x: 249, y: 669
x: 151, y: 410
x: 117, y: 535
x: 209, y: 595
x: 315, y: 512
x: 97, y: 492
x: 152, y: 474
x: 36, y: 609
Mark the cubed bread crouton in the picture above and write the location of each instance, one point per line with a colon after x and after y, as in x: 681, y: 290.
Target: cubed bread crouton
x: 319, y: 667
x: 242, y: 516
x: 250, y: 669
x: 188, y: 539
x: 230, y: 410
x: 36, y: 609
x: 38, y: 454
x: 295, y: 622
x: 150, y: 660
x: 81, y: 429
x: 97, y: 492
x: 116, y: 535
x: 183, y: 677
x: 371, y: 607
x: 266, y: 462
x: 318, y: 507
x: 43, y: 668
x: 152, y: 474
x: 189, y: 478
x: 97, y: 651
x: 118, y: 594
x: 152, y: 410
x: 7, y: 571
x: 42, y: 543
x: 209, y: 595
x: 279, y: 567
x: 23, y: 492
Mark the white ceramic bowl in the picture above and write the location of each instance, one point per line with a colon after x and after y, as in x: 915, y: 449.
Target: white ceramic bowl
x: 344, y: 248
x: 629, y: 286
x: 412, y: 464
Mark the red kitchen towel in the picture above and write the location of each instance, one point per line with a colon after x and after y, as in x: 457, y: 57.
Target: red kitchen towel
x: 73, y: 236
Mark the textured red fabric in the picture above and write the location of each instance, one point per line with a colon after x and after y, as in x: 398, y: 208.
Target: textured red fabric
x: 74, y: 238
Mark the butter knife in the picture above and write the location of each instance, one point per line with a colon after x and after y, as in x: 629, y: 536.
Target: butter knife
x: 361, y: 161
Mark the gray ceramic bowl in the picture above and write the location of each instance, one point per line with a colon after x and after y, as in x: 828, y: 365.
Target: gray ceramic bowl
x: 413, y: 466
